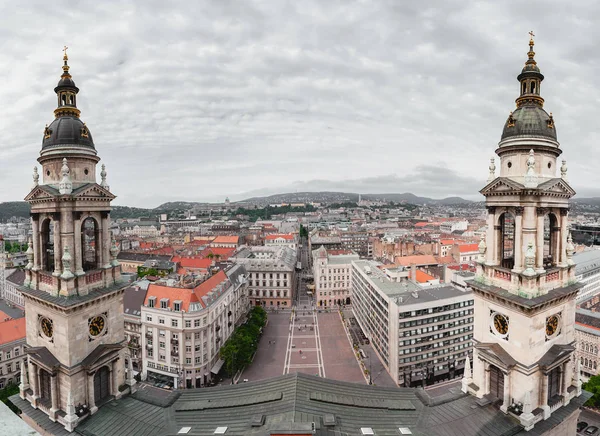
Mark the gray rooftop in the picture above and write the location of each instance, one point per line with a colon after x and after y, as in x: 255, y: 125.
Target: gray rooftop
x: 295, y: 401
x: 586, y: 261
x: 133, y: 299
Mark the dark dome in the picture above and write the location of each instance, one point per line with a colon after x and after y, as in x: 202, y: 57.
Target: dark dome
x: 66, y: 82
x: 67, y: 130
x: 529, y: 120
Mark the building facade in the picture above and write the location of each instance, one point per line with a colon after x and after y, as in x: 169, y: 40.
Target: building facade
x: 587, y: 272
x: 72, y: 288
x: 183, y: 329
x: 271, y: 275
x: 288, y: 240
x: 133, y: 300
x: 525, y: 286
x: 421, y: 335
x: 12, y: 351
x: 331, y: 271
x: 587, y: 335
x: 14, y: 280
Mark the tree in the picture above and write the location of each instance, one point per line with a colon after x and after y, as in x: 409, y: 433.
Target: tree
x: 593, y: 386
x: 9, y: 391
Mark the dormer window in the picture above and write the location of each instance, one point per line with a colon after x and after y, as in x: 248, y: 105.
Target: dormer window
x: 177, y: 306
x: 164, y: 303
x: 152, y: 302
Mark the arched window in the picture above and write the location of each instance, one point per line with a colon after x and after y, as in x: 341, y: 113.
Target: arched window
x: 507, y: 249
x: 90, y: 244
x: 551, y: 239
x: 586, y: 362
x: 63, y: 99
x: 581, y: 361
x: 533, y: 87
x: 524, y: 88
x: 587, y: 348
x: 71, y: 100
x: 47, y: 252
x: 595, y: 365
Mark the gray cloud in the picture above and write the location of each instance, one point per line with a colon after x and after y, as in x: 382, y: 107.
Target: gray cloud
x: 222, y: 98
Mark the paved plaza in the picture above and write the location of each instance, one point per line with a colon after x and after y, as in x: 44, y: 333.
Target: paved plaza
x: 308, y: 342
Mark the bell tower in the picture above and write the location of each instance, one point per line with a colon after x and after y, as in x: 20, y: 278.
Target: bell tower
x: 73, y: 290
x: 525, y: 285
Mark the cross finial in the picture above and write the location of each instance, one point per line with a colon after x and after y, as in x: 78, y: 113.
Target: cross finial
x: 531, y: 34
x: 65, y: 50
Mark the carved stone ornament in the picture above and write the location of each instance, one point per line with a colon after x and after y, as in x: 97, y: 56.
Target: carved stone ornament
x: 563, y: 170
x: 492, y: 169
x: 114, y: 251
x: 529, y: 260
x: 531, y: 178
x: 36, y: 177
x: 29, y: 254
x: 564, y: 211
x: 570, y: 250
x: 542, y: 211
x: 103, y: 178
x: 66, y: 261
x: 482, y: 249
x: 491, y: 209
x: 519, y: 210
x: 65, y: 186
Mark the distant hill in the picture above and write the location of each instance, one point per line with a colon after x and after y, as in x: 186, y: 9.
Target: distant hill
x: 339, y: 197
x: 594, y: 201
x: 21, y: 209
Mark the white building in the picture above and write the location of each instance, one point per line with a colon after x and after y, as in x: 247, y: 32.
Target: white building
x: 421, y: 335
x: 12, y: 344
x: 144, y: 229
x: 331, y: 271
x: 587, y: 272
x: 288, y: 240
x: 587, y: 335
x: 271, y: 275
x: 183, y: 329
x: 452, y: 226
x: 14, y: 279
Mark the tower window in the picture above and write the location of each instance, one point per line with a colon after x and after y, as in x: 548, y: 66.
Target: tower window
x: 48, y: 173
x: 524, y: 88
x: 549, y: 165
x: 509, y: 164
x: 533, y: 87
x: 71, y: 100
x: 86, y: 172
x: 48, y: 245
x: 63, y: 99
x: 90, y: 244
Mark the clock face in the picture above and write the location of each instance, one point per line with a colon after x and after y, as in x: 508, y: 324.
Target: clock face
x: 500, y: 324
x: 552, y: 325
x: 47, y: 327
x: 97, y: 325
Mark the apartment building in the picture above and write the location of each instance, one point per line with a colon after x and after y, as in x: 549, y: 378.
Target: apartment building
x: 184, y: 329
x: 133, y: 300
x: 12, y: 345
x: 587, y: 271
x: 421, y: 335
x: 11, y: 293
x: 331, y: 270
x: 271, y: 275
x: 359, y: 242
x: 281, y: 240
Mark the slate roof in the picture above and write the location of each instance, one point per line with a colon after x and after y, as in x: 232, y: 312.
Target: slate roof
x: 141, y: 257
x: 73, y: 300
x: 17, y: 277
x: 133, y: 299
x: 297, y: 400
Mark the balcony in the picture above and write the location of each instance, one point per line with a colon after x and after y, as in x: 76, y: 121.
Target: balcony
x: 175, y: 352
x: 149, y: 334
x: 174, y: 341
x: 229, y: 313
x: 217, y: 328
x: 133, y: 344
x: 149, y: 347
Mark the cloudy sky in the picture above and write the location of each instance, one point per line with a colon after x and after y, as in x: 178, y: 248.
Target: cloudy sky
x: 218, y: 98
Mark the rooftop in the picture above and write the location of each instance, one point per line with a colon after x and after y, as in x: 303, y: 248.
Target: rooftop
x: 586, y: 261
x: 295, y: 401
x: 12, y: 330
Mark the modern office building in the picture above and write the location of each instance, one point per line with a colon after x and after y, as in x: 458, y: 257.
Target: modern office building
x: 587, y: 272
x: 422, y: 335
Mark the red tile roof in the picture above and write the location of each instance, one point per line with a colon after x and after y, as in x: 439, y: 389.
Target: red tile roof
x: 419, y: 259
x: 226, y: 240
x: 186, y: 296
x: 447, y: 241
x: 223, y: 252
x: 339, y: 252
x: 468, y: 248
x: 12, y: 330
x: 208, y: 285
x: 423, y: 277
x: 286, y: 236
x: 193, y: 262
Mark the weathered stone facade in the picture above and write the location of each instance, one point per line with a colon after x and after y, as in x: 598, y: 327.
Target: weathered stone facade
x: 72, y: 289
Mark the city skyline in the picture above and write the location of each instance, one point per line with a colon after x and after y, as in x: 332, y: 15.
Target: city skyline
x: 252, y: 99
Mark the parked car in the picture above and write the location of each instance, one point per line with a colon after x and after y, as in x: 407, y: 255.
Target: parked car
x: 581, y: 426
x: 591, y: 430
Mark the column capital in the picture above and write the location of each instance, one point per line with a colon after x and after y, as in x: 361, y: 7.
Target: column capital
x: 491, y: 209
x: 564, y: 211
x: 519, y: 210
x: 542, y: 211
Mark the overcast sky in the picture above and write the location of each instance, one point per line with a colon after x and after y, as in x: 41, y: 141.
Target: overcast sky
x: 218, y: 98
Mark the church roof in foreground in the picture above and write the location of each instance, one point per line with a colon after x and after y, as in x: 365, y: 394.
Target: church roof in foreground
x: 296, y: 401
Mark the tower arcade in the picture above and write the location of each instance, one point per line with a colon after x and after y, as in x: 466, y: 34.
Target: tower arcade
x: 525, y: 286
x: 73, y: 290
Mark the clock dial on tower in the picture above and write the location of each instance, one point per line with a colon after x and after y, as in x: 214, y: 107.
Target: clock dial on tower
x: 552, y: 326
x: 97, y: 325
x: 46, y: 327
x: 499, y: 324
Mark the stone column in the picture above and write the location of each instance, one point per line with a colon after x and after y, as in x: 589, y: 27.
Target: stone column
x: 77, y: 244
x: 486, y: 378
x: 33, y: 380
x: 506, y: 394
x: 105, y: 255
x: 91, y: 394
x: 564, y: 220
x: 115, y: 378
x: 54, y: 395
x: 544, y: 403
x: 566, y: 381
x: 37, y: 258
x: 490, y: 236
x: 518, y: 242
x: 539, y: 246
x: 57, y: 246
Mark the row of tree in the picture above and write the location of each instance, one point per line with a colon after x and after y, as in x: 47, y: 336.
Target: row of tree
x: 237, y: 352
x: 14, y: 247
x: 267, y: 212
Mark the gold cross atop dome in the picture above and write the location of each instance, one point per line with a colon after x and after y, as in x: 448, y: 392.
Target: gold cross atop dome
x: 65, y: 51
x: 531, y: 35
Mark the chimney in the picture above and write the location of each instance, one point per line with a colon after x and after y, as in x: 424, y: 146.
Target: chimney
x: 445, y: 273
x: 413, y: 272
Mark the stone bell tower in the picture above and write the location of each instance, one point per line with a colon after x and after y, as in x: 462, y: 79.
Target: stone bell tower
x: 73, y: 289
x: 525, y: 285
